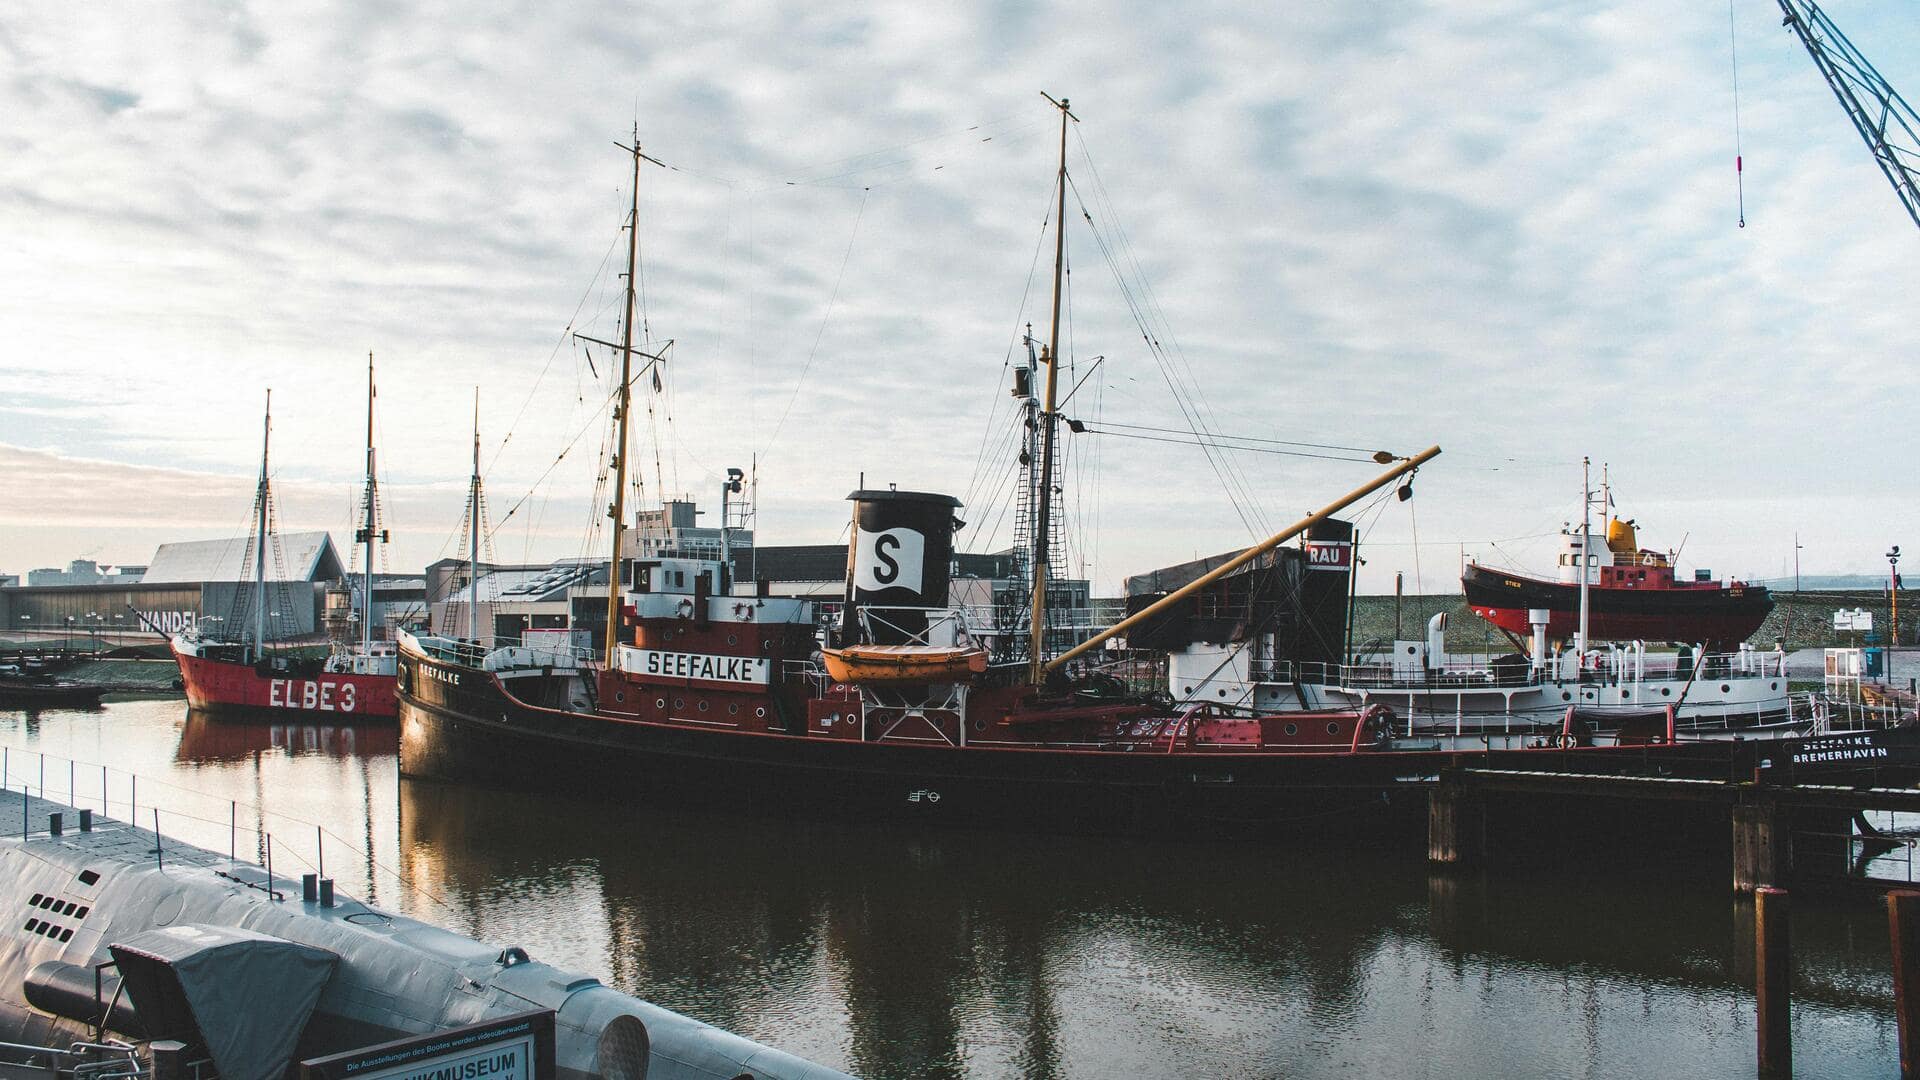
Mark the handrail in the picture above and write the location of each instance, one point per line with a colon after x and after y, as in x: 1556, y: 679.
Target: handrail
x: 266, y: 844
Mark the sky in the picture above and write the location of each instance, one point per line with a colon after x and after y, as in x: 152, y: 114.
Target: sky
x: 1509, y: 229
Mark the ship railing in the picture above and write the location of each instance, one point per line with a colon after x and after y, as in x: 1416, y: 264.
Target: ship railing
x: 519, y: 657
x: 1456, y: 673
x: 173, y: 812
x: 105, y: 1059
x: 933, y: 627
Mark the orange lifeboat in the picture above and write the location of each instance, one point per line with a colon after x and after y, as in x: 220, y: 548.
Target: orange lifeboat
x: 904, y: 663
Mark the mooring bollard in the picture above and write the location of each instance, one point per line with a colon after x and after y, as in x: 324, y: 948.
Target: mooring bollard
x: 1772, y: 982
x: 1903, y: 925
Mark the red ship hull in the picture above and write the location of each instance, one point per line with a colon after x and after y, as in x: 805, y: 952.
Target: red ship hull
x: 229, y: 686
x: 1721, y: 616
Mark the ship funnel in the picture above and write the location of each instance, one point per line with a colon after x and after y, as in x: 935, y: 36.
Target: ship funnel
x: 900, y: 557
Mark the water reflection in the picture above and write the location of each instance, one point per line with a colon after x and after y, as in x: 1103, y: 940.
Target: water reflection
x: 963, y: 954
x: 206, y: 737
x: 895, y: 954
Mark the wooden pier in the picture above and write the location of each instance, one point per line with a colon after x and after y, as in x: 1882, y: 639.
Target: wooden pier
x: 1786, y: 811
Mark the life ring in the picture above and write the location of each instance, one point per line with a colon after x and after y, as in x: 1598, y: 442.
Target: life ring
x: 1567, y: 740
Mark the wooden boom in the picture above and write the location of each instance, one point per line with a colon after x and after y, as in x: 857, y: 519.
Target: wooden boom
x: 1250, y: 554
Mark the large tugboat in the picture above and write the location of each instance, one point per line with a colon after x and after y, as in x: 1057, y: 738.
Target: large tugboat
x: 714, y: 690
x: 244, y: 675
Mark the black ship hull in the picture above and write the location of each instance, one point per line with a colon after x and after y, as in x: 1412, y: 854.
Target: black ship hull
x: 459, y: 724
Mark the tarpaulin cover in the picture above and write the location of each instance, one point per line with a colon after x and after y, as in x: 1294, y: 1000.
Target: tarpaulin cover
x: 244, y: 996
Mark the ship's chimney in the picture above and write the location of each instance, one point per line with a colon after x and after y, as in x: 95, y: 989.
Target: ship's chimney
x: 900, y: 557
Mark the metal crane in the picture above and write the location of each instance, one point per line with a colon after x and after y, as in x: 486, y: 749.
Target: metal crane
x: 1883, y: 118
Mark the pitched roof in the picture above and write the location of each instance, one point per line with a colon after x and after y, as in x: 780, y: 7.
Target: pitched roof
x: 306, y: 556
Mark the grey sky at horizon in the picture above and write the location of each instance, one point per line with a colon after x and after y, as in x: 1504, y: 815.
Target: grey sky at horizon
x: 1508, y: 230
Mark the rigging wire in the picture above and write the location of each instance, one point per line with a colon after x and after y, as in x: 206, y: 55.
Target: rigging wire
x: 821, y: 330
x: 1236, y: 489
x: 1366, y: 450
x: 1215, y: 444
x: 1231, y: 478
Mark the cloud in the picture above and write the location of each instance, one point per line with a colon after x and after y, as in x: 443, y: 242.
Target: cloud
x: 1507, y: 229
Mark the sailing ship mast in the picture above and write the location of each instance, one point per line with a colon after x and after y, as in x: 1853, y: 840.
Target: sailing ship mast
x: 260, y: 549
x: 623, y: 401
x: 1049, y: 420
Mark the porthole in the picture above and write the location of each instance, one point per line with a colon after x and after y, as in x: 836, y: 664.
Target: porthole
x: 1223, y: 691
x: 703, y: 704
x: 733, y: 639
x: 1189, y: 690
x: 1725, y: 689
x: 1333, y: 728
x: 760, y: 711
x: 1666, y: 691
x: 659, y: 703
x: 979, y: 723
x: 1624, y: 695
x: 733, y: 708
x: 1564, y: 696
x: 679, y: 704
x: 1292, y: 729
x: 619, y: 695
x: 1773, y: 686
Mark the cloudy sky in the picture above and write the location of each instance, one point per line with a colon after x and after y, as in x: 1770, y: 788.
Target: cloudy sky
x: 1510, y: 229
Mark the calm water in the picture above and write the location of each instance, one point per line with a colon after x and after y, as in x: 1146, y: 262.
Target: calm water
x: 895, y: 954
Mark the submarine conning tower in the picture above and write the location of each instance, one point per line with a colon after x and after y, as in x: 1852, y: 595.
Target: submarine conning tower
x: 899, y: 558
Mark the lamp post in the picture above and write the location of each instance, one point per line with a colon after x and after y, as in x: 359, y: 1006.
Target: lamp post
x: 1893, y: 604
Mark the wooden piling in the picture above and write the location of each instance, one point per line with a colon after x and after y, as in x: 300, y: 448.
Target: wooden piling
x: 1759, y: 845
x: 1772, y: 982
x: 1456, y: 824
x: 1903, y: 925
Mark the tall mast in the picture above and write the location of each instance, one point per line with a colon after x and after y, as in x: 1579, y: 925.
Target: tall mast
x: 1037, y: 626
x: 369, y: 527
x: 473, y: 534
x: 1586, y: 547
x: 260, y: 549
x: 623, y: 406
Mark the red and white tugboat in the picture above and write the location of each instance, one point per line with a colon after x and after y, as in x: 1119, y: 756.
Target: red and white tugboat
x: 244, y: 676
x: 1629, y: 594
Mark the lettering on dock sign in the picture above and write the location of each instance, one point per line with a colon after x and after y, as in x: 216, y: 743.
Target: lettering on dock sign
x: 518, y: 1047
x: 706, y: 667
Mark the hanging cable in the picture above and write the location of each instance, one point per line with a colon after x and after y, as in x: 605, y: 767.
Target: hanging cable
x: 1739, y: 179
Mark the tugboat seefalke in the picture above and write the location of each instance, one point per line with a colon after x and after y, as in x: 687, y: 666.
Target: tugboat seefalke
x: 707, y: 694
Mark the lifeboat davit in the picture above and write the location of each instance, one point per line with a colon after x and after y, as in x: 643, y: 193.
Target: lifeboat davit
x: 904, y: 663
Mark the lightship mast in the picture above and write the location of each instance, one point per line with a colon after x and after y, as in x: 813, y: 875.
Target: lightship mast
x: 260, y: 550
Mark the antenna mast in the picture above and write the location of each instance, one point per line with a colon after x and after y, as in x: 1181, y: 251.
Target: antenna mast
x: 1049, y: 420
x: 473, y: 534
x: 369, y: 531
x: 260, y: 550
